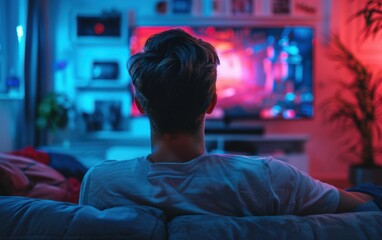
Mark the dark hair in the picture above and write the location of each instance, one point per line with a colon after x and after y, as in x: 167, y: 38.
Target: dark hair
x: 174, y: 80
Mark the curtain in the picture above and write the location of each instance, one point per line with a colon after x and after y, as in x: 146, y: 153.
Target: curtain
x: 38, y: 70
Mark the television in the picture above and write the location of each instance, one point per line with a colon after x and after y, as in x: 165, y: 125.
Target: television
x: 264, y: 72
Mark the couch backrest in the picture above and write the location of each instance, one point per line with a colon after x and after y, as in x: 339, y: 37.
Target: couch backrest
x: 27, y: 218
x: 345, y: 226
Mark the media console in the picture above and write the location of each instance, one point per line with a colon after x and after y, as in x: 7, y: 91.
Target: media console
x: 122, y: 145
x: 238, y: 138
x: 289, y: 148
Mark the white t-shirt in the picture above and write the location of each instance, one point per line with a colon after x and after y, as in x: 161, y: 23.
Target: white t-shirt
x: 228, y: 185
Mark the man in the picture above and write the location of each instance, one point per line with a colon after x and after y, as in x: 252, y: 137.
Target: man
x: 175, y: 83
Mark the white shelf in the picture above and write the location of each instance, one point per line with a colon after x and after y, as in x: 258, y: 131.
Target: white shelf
x: 224, y: 20
x: 286, y: 147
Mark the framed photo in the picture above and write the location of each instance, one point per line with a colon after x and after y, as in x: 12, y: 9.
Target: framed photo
x: 214, y: 7
x: 281, y: 6
x: 182, y: 6
x: 306, y: 8
x: 242, y: 7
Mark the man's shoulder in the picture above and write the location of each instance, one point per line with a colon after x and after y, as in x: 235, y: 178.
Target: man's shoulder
x: 240, y: 167
x: 240, y: 158
x: 115, y: 165
x: 241, y: 162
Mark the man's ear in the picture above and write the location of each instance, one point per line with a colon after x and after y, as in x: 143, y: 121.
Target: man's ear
x: 212, y: 104
x: 139, y: 106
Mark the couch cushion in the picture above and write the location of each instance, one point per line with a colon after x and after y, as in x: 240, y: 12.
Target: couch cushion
x: 22, y: 217
x: 362, y: 225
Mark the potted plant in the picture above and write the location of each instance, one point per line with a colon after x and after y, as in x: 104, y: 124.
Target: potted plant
x: 357, y: 107
x: 53, y: 115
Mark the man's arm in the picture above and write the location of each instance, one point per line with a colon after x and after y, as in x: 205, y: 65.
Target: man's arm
x: 83, y: 199
x: 350, y: 200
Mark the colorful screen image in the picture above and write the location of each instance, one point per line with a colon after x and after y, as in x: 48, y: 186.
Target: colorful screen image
x: 264, y: 72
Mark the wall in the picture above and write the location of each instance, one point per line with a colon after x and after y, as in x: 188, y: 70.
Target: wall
x: 12, y: 14
x: 322, y: 146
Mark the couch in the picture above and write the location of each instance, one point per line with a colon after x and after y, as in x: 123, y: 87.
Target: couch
x: 29, y: 218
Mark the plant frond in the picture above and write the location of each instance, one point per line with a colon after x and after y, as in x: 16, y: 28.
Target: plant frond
x: 349, y: 157
x: 347, y: 59
x: 378, y: 131
x: 371, y: 14
x: 378, y: 151
x: 377, y: 89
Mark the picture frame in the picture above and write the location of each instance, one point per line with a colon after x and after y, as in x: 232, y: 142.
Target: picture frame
x: 182, y: 6
x: 281, y: 7
x: 215, y: 7
x: 242, y: 7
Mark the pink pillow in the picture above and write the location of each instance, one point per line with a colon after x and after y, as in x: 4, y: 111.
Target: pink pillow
x: 26, y: 177
x: 12, y: 180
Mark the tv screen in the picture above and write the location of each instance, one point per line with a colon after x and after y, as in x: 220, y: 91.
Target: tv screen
x: 264, y: 72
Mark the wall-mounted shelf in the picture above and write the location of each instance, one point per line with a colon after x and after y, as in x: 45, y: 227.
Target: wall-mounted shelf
x: 225, y: 20
x: 108, y: 88
x: 11, y: 97
x: 286, y: 147
x: 258, y: 12
x: 94, y: 147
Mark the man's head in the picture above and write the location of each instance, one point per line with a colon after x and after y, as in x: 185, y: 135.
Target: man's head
x: 175, y: 81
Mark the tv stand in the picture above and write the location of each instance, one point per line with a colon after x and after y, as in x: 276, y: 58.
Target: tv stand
x: 286, y: 147
x: 217, y: 127
x: 241, y: 130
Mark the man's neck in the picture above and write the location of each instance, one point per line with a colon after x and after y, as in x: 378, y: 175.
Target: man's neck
x: 181, y: 147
